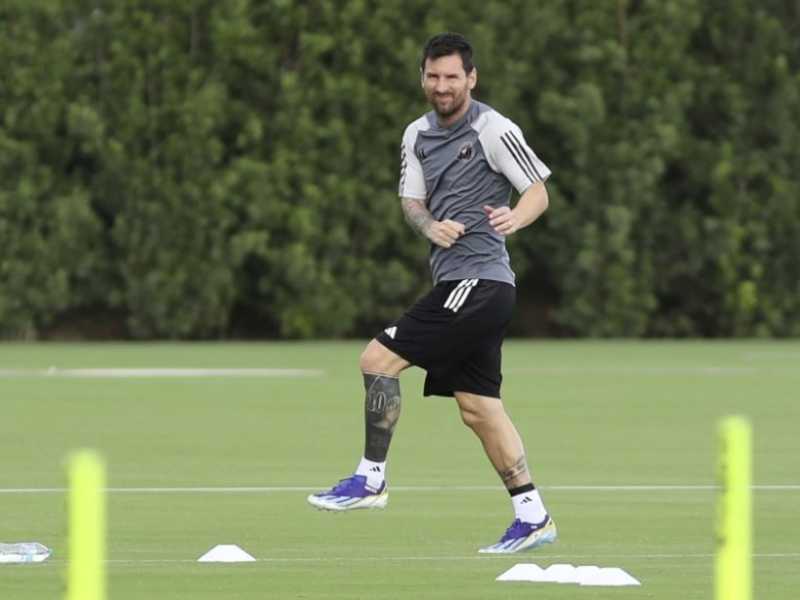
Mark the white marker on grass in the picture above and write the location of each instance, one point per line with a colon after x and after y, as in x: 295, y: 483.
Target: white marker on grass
x: 227, y: 553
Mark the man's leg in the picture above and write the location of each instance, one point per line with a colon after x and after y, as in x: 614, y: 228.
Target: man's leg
x: 501, y: 441
x: 381, y: 369
x: 488, y: 419
x: 366, y: 488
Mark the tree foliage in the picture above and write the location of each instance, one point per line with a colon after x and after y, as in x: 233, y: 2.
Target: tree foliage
x: 210, y: 169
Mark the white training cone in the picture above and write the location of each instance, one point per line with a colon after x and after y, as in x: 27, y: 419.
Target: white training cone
x: 226, y: 553
x: 522, y: 572
x: 565, y: 573
x: 586, y: 572
x: 560, y: 573
x: 611, y: 576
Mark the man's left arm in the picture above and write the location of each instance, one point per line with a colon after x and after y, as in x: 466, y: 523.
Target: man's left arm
x: 508, y: 153
x: 530, y: 206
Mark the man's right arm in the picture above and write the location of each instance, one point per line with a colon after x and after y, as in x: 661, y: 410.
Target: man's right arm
x: 413, y: 193
x: 442, y: 233
x: 417, y: 215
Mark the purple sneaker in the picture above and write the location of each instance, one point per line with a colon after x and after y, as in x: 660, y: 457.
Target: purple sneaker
x: 524, y: 536
x: 349, y: 494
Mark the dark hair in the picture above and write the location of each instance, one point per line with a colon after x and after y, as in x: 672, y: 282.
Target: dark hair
x: 445, y: 44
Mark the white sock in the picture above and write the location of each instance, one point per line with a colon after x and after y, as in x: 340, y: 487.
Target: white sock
x: 375, y: 472
x: 528, y: 507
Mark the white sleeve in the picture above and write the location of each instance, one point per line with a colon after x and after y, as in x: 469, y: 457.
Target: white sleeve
x: 412, y: 181
x: 508, y: 153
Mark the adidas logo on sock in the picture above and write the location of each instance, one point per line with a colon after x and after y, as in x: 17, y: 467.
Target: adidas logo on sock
x: 526, y: 499
x: 375, y: 470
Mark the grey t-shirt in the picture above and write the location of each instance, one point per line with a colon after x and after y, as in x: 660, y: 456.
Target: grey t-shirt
x: 459, y: 169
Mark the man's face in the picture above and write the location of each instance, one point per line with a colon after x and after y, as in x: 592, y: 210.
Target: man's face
x: 447, y: 86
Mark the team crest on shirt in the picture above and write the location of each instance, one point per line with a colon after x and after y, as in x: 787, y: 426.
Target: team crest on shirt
x: 465, y: 152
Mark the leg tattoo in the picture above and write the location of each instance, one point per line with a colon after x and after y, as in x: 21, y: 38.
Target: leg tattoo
x: 381, y: 412
x: 514, y: 475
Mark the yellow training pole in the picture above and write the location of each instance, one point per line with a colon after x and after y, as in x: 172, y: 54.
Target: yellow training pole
x: 87, y: 527
x: 734, y: 569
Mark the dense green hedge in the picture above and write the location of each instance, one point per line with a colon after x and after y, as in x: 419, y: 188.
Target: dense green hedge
x: 203, y: 169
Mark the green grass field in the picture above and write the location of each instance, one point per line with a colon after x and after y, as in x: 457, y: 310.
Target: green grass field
x: 593, y: 415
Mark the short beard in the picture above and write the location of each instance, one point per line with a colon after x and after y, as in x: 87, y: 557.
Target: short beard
x: 455, y: 108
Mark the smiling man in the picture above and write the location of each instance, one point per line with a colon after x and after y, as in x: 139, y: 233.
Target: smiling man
x: 458, y: 165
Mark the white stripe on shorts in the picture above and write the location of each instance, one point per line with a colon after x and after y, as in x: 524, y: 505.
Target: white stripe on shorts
x: 454, y: 293
x: 464, y: 293
x: 461, y: 296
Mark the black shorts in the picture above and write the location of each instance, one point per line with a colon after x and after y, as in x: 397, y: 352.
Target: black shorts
x: 456, y: 333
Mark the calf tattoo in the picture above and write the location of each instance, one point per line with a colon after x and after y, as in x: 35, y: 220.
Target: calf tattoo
x: 511, y: 475
x: 381, y: 412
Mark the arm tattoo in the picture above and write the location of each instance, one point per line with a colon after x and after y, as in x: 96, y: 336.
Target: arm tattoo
x: 520, y: 467
x: 417, y: 215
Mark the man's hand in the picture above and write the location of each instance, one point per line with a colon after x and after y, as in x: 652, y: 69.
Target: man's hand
x: 502, y: 219
x: 444, y: 233
x: 530, y: 206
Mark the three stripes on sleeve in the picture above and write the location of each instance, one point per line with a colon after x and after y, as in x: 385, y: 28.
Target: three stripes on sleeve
x: 519, y: 151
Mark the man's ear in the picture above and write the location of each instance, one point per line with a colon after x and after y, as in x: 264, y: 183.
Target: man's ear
x: 473, y: 78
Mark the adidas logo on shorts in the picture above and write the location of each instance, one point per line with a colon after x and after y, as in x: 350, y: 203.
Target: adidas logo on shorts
x: 459, y: 294
x: 391, y: 331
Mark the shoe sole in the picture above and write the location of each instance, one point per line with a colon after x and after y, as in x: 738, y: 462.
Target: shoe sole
x: 378, y: 501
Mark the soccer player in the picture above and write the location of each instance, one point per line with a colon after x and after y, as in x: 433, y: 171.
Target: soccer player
x: 458, y: 164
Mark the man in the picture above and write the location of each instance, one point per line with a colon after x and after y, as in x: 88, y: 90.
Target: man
x: 459, y: 162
